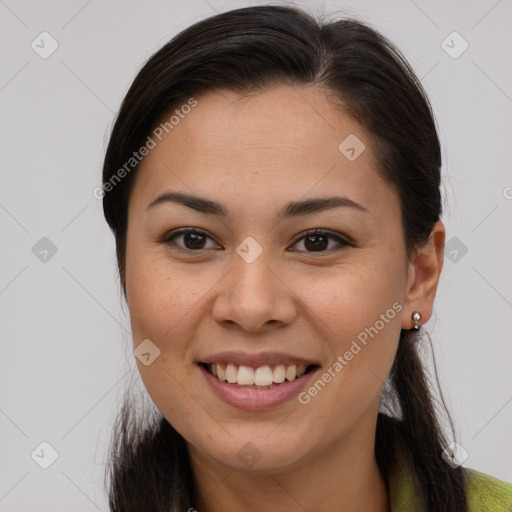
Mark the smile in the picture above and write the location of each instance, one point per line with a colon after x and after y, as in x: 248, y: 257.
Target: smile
x: 262, y: 377
x: 257, y: 388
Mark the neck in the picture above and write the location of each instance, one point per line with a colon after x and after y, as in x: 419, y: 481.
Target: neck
x: 346, y: 477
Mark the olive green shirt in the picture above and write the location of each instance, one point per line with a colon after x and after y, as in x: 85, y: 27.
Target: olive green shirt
x: 484, y: 492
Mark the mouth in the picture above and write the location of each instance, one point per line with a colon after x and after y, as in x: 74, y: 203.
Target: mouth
x: 257, y: 378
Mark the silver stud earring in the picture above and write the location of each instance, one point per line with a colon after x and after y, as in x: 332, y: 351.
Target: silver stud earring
x: 416, y: 317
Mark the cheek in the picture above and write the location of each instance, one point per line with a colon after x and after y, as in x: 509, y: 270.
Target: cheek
x: 176, y: 401
x: 158, y: 295
x: 359, y: 316
x: 160, y: 306
x: 352, y: 298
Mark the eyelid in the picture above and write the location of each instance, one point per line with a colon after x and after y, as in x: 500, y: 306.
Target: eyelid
x: 342, y: 240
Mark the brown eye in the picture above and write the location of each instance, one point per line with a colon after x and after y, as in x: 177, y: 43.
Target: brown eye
x: 191, y: 240
x: 194, y: 240
x: 318, y: 241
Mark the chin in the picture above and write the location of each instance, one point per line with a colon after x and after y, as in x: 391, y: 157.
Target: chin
x: 252, y: 450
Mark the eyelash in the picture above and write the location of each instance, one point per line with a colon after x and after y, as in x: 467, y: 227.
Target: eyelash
x: 169, y: 238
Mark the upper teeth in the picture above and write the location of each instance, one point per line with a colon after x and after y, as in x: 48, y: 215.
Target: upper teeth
x: 261, y: 376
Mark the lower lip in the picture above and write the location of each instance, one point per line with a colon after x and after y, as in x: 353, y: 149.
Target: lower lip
x: 257, y: 399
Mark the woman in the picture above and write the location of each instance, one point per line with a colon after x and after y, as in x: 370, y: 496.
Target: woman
x: 273, y: 187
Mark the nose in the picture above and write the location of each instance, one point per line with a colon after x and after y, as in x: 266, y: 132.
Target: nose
x: 255, y: 296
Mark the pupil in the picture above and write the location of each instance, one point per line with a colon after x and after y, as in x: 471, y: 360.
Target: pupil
x: 193, y: 239
x: 316, y: 245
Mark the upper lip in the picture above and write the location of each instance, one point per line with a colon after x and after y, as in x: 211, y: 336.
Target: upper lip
x: 257, y: 360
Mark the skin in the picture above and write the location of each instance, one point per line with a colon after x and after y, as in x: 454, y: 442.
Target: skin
x: 254, y: 153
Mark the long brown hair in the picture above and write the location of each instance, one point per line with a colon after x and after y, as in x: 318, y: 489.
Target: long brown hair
x: 245, y: 50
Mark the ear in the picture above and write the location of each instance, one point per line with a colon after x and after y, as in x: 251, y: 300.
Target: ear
x: 423, y: 277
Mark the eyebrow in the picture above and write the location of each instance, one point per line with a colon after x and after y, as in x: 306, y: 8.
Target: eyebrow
x: 291, y: 209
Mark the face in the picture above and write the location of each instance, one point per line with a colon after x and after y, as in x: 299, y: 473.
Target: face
x: 243, y: 289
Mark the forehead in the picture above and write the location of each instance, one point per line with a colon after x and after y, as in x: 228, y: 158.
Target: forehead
x: 298, y: 122
x: 281, y: 140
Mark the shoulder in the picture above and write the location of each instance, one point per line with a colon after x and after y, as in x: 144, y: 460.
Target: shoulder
x: 486, y: 493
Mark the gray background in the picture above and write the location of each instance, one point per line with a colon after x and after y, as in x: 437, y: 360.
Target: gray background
x: 65, y: 332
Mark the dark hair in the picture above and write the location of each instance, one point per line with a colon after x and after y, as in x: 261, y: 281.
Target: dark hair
x: 246, y: 50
